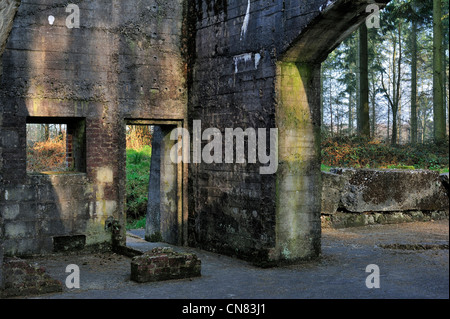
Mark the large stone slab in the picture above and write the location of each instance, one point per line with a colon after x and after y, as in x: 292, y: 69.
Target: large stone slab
x: 368, y: 190
x: 332, y: 187
x: 161, y: 264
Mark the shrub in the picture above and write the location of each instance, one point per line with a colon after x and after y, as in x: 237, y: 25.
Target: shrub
x: 48, y: 155
x: 361, y: 152
x: 138, y: 173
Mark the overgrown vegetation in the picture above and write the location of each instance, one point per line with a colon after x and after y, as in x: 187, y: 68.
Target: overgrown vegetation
x: 136, y: 224
x: 360, y: 152
x: 48, y: 155
x: 139, y: 152
x: 138, y: 170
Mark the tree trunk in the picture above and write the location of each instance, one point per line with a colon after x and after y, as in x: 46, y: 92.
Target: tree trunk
x: 396, y: 66
x: 438, y: 96
x: 363, y: 83
x: 322, y: 75
x: 388, y: 124
x: 46, y: 132
x: 399, y: 124
x: 413, y: 118
x: 374, y: 118
x: 350, y: 113
x: 394, y: 127
x: 331, y: 104
x: 444, y: 81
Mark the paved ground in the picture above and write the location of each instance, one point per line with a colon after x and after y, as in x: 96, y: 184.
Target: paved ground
x: 420, y: 269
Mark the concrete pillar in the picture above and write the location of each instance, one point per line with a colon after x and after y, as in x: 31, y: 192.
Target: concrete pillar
x: 298, y: 197
x: 162, y: 207
x: 152, y: 228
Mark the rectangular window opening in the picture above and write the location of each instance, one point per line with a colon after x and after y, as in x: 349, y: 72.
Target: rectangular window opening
x: 56, y: 145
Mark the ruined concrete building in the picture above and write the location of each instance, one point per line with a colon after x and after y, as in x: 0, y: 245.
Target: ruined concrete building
x: 227, y: 63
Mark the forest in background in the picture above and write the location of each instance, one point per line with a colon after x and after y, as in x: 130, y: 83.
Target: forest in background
x: 391, y: 83
x: 385, y: 101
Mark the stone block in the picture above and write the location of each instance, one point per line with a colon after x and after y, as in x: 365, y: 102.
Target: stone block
x: 332, y: 187
x: 69, y: 243
x: 445, y: 181
x: 368, y: 190
x: 20, y: 246
x: 162, y: 264
x: 20, y: 193
x: 10, y: 139
x: 20, y: 229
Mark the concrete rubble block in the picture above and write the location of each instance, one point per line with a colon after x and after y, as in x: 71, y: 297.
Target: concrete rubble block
x: 161, y: 264
x: 444, y: 180
x: 332, y: 186
x: 369, y: 190
x: 24, y: 279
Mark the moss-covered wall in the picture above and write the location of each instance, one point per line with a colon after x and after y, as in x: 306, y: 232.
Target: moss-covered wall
x: 298, y: 185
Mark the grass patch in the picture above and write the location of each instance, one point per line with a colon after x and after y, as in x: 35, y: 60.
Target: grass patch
x: 136, y: 223
x: 138, y: 173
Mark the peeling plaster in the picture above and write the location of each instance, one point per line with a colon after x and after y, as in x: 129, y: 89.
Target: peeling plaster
x: 246, y: 20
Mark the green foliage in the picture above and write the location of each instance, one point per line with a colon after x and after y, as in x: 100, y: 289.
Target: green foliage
x: 136, y: 224
x: 138, y: 173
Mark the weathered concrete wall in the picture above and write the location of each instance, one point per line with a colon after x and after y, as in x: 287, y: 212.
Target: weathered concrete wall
x: 8, y: 11
x: 257, y: 65
x: 45, y: 207
x: 360, y: 197
x: 124, y: 62
x: 230, y: 64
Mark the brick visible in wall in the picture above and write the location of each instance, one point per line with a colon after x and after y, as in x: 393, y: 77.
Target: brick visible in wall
x: 69, y: 243
x: 22, y: 279
x: 164, y: 264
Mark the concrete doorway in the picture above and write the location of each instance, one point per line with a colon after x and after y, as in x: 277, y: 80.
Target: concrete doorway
x: 166, y: 220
